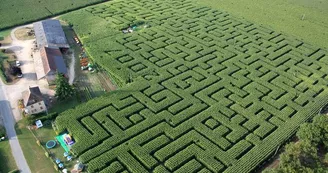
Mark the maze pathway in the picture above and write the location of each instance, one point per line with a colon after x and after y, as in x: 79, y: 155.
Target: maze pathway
x: 206, y: 92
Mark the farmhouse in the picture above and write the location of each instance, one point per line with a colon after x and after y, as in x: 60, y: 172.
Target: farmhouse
x: 51, y: 61
x: 49, y: 33
x: 33, y: 101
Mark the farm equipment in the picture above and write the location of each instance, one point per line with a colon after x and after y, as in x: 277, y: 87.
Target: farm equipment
x: 76, y: 39
x: 30, y: 32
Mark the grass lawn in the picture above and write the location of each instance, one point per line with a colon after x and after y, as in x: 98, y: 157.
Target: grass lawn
x: 45, y: 134
x: 34, y: 154
x: 7, y: 161
x: 282, y: 15
x: 5, y: 33
x: 61, y: 106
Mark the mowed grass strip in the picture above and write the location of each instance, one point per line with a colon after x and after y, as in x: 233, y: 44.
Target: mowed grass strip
x: 7, y: 161
x: 34, y: 154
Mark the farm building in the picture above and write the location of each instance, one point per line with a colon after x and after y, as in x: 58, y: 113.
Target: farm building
x: 50, y: 61
x: 49, y: 33
x: 33, y: 101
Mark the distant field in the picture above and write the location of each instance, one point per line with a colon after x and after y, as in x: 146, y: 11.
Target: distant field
x: 15, y: 12
x: 202, y: 90
x: 282, y: 15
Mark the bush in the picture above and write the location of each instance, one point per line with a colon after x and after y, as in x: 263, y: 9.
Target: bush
x: 2, y: 131
x: 47, y: 154
x: 38, y: 142
x: 30, y: 120
x: 56, y: 167
x: 326, y: 157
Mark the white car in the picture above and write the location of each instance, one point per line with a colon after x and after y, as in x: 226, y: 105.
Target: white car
x: 18, y: 63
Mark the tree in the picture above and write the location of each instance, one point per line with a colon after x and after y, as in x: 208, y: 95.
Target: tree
x: 2, y: 131
x: 303, y: 155
x: 63, y: 89
x: 310, y: 132
x: 15, y: 71
x: 300, y: 157
x: 315, y: 132
x: 321, y: 121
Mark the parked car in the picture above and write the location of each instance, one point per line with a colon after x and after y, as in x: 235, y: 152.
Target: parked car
x: 18, y: 63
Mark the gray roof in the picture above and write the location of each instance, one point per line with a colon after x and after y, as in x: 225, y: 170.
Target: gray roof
x: 52, y: 60
x: 32, y: 95
x: 50, y: 33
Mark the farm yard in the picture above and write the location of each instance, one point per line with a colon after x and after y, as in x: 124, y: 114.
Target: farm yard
x: 88, y: 84
x: 201, y: 90
x: 23, y: 11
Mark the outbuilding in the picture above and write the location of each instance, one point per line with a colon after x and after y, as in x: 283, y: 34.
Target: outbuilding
x: 49, y: 33
x: 51, y: 61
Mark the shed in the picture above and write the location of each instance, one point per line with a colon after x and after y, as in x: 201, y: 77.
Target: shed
x: 51, y: 61
x: 49, y: 33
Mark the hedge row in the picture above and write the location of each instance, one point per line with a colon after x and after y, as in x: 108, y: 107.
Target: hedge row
x: 201, y: 90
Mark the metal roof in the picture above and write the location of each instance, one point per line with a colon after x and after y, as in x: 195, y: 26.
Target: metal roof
x: 50, y: 33
x: 52, y: 60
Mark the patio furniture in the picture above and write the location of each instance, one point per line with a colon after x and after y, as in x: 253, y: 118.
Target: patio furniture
x: 61, y: 165
x: 57, y: 161
x: 69, y: 158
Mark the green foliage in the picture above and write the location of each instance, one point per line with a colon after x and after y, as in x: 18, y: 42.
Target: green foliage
x: 315, y: 132
x: 299, y: 157
x: 303, y: 155
x: 63, y: 89
x: 30, y: 119
x: 200, y: 89
x: 2, y: 131
x: 15, y: 171
x: 20, y: 12
x: 326, y: 157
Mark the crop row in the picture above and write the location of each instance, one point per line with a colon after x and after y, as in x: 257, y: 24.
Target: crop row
x: 20, y: 12
x: 201, y: 90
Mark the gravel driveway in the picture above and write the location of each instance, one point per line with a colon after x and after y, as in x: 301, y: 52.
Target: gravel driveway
x: 10, y: 94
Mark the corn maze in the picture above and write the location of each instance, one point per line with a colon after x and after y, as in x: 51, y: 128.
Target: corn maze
x: 202, y: 91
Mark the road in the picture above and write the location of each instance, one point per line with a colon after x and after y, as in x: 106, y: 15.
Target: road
x: 9, y: 94
x: 9, y: 123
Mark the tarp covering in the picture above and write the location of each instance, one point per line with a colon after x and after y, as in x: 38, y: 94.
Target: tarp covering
x: 60, y: 139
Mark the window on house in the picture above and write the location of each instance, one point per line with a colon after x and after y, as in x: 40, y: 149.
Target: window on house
x: 34, y: 110
x: 41, y: 107
x: 39, y: 103
x: 32, y: 106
